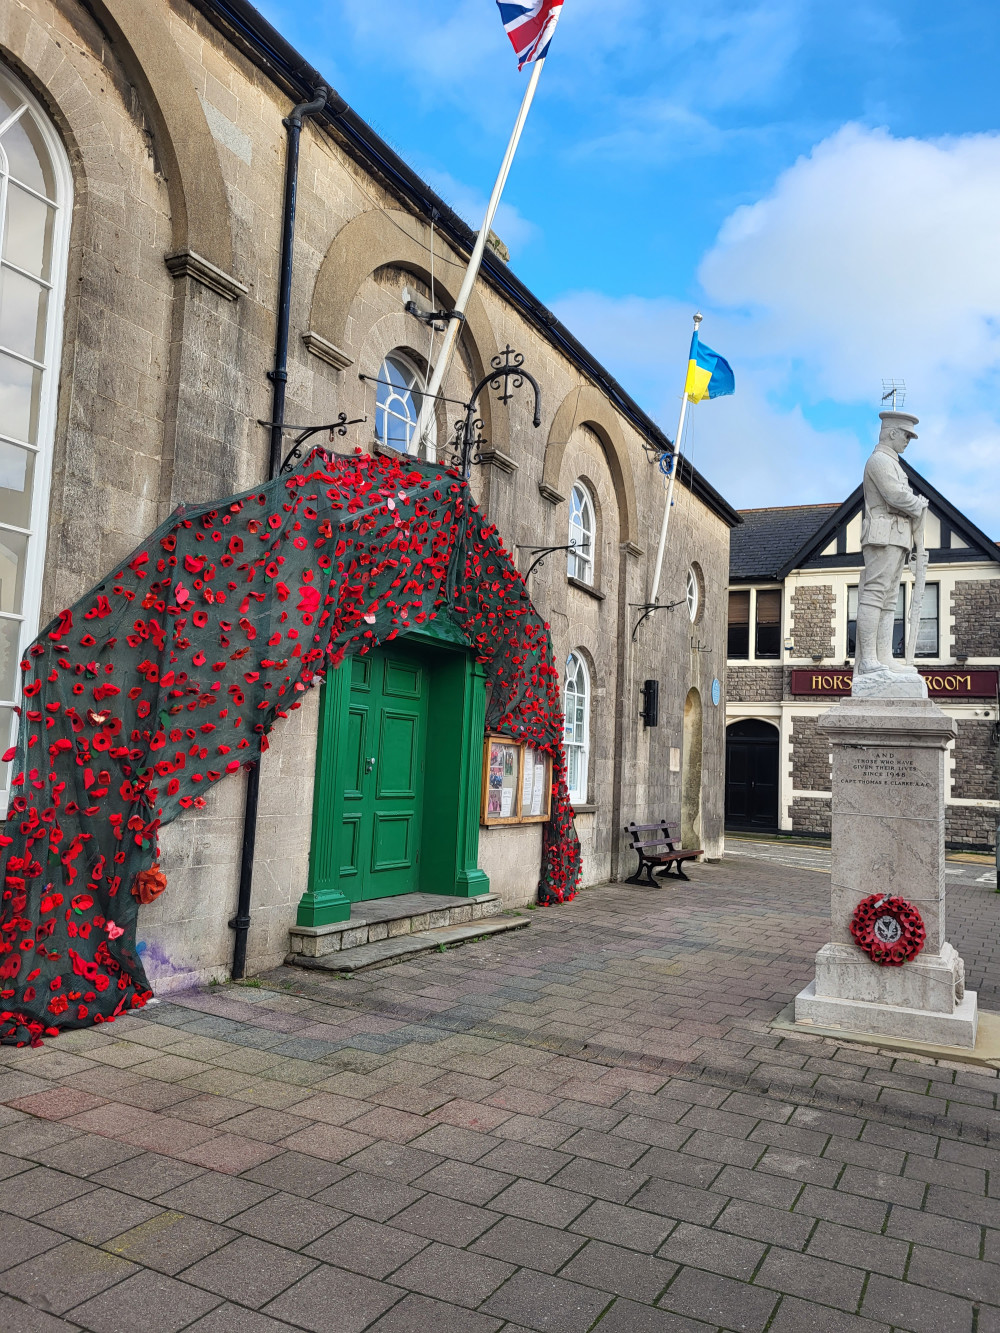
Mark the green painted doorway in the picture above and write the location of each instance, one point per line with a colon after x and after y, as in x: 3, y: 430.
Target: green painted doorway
x: 382, y: 776
x: 398, y: 772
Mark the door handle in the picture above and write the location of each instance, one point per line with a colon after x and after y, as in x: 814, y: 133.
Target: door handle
x: 369, y: 764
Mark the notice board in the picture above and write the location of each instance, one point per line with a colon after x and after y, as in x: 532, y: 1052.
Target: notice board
x: 517, y: 783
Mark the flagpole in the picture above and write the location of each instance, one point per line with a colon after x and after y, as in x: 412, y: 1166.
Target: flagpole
x: 655, y: 588
x: 475, y: 261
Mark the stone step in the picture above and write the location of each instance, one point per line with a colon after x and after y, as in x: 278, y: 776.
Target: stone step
x: 385, y: 952
x: 389, y: 918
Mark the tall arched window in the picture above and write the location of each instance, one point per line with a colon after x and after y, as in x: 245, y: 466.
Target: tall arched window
x: 576, y: 706
x: 35, y: 198
x: 398, y: 402
x: 582, y: 530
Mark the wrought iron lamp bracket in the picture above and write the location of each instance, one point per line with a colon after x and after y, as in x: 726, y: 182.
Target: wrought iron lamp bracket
x: 542, y: 552
x: 295, y: 454
x: 648, y: 608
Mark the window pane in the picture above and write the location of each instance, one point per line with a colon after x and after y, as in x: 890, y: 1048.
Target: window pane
x: 927, y: 634
x: 27, y: 155
x: 23, y: 305
x: 17, y: 468
x: 9, y: 100
x: 739, y: 625
x: 10, y: 632
x: 12, y: 552
x: 27, y: 238
x: 852, y: 620
x: 768, y: 638
x: 899, y: 625
x: 6, y: 739
x: 20, y: 386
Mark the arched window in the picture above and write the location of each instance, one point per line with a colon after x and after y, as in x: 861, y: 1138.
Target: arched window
x: 582, y: 529
x: 576, y: 706
x: 398, y: 403
x: 692, y: 594
x: 35, y: 198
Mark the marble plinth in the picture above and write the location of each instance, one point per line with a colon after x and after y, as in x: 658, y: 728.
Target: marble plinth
x: 890, y: 1020
x: 888, y: 684
x: 888, y: 838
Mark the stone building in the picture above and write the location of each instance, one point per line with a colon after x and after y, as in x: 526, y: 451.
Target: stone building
x: 792, y: 605
x: 142, y: 169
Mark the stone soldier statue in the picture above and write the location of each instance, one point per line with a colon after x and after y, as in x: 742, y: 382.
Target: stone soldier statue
x: 893, y: 511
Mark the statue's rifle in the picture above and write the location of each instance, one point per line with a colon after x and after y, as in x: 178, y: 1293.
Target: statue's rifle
x: 919, y: 561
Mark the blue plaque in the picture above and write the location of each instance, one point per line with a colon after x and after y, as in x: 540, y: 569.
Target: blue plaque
x: 716, y: 692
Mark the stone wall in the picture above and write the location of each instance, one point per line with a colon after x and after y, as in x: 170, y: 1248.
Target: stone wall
x: 813, y: 608
x: 975, y: 604
x: 971, y: 826
x: 974, y: 776
x: 811, y: 814
x: 811, y: 769
x: 755, y: 684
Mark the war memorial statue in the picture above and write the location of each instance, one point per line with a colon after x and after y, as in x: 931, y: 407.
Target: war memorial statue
x: 892, y: 526
x: 889, y: 971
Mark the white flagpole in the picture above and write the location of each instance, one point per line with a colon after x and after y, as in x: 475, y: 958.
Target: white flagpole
x: 655, y: 588
x: 475, y: 261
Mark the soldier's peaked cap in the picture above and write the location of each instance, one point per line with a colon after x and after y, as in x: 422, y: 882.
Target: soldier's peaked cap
x: 903, y: 419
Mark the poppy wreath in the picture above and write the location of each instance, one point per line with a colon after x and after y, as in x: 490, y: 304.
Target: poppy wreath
x: 890, y: 930
x: 168, y: 676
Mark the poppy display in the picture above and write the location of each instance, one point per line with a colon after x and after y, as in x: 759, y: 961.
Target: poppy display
x: 168, y: 676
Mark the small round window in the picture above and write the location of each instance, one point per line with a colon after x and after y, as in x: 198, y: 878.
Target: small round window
x: 693, y: 594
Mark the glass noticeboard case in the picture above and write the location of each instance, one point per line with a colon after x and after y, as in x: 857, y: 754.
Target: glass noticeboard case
x: 517, y: 783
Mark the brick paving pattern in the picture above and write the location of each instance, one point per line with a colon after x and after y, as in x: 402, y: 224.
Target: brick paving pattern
x: 586, y: 1125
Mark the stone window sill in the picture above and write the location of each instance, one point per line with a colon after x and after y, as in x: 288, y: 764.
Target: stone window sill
x: 588, y: 588
x: 584, y: 809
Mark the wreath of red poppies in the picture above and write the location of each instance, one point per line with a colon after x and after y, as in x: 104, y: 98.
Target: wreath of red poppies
x: 890, y: 930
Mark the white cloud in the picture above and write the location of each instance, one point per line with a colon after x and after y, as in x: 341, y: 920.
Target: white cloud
x: 873, y: 256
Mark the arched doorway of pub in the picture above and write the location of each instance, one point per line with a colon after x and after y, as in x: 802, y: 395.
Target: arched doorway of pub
x: 752, y: 775
x: 398, y: 769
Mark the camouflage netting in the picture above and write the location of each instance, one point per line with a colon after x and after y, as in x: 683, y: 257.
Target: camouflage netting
x: 168, y: 676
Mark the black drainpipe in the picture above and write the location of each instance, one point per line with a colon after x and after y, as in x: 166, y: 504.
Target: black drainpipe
x: 240, y: 923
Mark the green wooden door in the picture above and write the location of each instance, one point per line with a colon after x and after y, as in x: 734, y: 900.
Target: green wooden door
x: 382, y: 776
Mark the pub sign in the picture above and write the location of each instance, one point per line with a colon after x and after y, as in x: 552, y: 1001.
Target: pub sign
x: 942, y: 682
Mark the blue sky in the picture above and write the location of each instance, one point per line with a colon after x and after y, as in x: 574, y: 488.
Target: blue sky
x: 822, y: 180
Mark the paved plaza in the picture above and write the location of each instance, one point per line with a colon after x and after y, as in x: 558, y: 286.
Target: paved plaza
x: 588, y: 1124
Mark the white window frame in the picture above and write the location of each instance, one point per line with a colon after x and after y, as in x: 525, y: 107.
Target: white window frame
x: 580, y: 561
x: 36, y: 533
x: 692, y: 594
x: 576, y: 733
x: 414, y: 392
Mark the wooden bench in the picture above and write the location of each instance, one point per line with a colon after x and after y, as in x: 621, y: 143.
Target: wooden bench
x: 655, y: 846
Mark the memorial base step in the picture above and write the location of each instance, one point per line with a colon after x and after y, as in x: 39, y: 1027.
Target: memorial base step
x: 889, y: 1020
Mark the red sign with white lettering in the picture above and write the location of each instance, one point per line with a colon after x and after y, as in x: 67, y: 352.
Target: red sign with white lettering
x: 942, y: 682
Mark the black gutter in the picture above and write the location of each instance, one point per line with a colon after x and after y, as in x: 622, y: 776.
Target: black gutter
x: 278, y: 376
x: 251, y: 33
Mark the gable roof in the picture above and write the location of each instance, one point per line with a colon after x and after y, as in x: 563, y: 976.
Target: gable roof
x: 247, y: 29
x: 980, y: 546
x: 769, y: 538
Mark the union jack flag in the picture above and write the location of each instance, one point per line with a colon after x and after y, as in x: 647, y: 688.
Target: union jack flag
x: 530, y: 25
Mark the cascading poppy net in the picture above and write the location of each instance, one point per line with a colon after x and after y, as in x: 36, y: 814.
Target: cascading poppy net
x: 168, y: 676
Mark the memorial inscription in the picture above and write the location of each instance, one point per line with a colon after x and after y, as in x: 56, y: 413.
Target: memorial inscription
x: 882, y: 768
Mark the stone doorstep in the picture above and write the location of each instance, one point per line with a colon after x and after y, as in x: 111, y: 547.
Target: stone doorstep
x: 389, y: 918
x: 385, y: 952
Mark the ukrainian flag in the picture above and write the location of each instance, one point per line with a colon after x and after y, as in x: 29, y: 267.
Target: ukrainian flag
x: 709, y: 375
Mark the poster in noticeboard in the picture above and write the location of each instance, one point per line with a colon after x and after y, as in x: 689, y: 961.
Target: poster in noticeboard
x: 517, y: 783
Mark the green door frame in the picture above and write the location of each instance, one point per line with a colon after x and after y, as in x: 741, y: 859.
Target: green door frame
x: 449, y: 852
